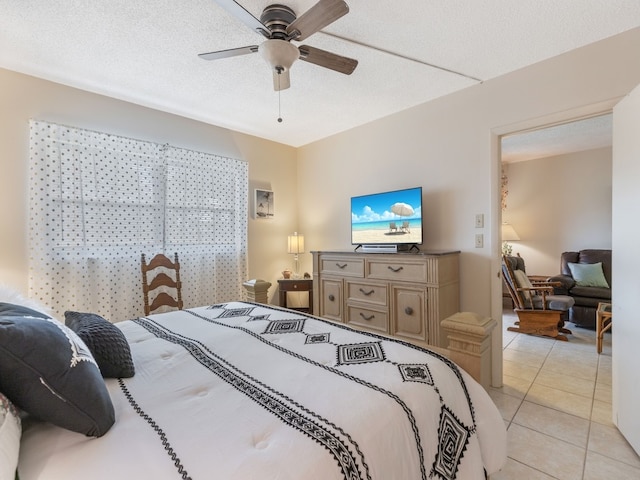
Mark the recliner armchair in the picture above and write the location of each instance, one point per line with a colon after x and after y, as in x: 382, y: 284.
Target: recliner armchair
x: 582, y: 279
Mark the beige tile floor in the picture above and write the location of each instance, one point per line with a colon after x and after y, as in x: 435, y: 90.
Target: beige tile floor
x: 556, y: 404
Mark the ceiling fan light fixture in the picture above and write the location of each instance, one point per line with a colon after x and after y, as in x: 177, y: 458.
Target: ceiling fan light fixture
x: 279, y: 53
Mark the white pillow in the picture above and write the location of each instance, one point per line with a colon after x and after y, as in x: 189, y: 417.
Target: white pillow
x: 10, y: 432
x: 11, y: 295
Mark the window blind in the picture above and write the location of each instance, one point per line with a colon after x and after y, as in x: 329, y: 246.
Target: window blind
x: 99, y: 200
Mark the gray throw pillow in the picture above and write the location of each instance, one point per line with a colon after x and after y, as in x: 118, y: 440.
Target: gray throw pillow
x: 107, y: 343
x: 48, y: 372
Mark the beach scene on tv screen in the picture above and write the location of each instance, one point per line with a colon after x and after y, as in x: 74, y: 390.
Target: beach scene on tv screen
x: 387, y: 218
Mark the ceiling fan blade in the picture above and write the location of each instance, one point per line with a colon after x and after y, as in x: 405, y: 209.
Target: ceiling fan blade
x: 327, y: 59
x: 281, y: 80
x: 316, y: 18
x: 238, y: 11
x: 232, y: 52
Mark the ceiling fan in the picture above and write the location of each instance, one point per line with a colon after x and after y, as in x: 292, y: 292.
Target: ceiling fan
x: 279, y: 24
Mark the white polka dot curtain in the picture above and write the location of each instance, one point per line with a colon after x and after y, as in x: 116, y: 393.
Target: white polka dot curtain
x: 98, y: 201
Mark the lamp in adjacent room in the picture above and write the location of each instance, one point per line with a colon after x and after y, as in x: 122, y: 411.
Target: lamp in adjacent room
x: 508, y: 235
x: 295, y: 245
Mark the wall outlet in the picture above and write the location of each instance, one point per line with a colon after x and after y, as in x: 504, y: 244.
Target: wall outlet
x: 479, y: 240
x: 479, y: 220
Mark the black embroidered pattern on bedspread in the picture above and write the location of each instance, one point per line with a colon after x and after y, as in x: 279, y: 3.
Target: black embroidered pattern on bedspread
x: 453, y: 435
x: 454, y: 368
x: 276, y: 404
x: 163, y: 437
x: 407, y: 410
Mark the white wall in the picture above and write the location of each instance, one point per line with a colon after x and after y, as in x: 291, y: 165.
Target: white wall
x: 625, y: 268
x: 557, y: 204
x: 271, y: 166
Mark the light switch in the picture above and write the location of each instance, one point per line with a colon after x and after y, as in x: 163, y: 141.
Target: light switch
x: 479, y: 240
x: 479, y: 220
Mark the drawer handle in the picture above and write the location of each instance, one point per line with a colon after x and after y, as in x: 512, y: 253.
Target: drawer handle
x: 341, y: 266
x: 394, y: 270
x: 408, y: 311
x: 367, y: 293
x: 331, y: 298
x: 364, y: 317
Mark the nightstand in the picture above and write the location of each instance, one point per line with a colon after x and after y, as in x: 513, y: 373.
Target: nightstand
x: 296, y: 285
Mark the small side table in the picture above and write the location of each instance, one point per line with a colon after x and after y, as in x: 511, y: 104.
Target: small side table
x: 603, y: 322
x: 296, y: 285
x: 538, y: 278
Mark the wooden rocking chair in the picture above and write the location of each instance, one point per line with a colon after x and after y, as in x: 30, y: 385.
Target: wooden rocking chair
x: 539, y: 311
x: 161, y: 280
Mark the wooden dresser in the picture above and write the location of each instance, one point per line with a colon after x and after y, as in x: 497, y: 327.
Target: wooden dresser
x: 405, y: 295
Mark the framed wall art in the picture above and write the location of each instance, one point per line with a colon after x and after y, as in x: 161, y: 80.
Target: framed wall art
x: 263, y: 203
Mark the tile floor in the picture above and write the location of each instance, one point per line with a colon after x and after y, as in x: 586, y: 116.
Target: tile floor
x: 556, y: 403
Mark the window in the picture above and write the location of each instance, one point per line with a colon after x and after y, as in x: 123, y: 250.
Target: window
x: 99, y: 201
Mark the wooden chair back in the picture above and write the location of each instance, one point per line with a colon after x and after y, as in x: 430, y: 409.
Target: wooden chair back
x: 161, y: 279
x: 530, y: 302
x: 524, y: 292
x: 512, y: 284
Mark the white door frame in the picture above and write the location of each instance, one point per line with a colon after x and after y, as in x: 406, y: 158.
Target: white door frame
x: 497, y: 133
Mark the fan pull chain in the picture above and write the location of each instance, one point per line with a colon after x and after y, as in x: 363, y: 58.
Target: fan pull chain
x: 279, y: 70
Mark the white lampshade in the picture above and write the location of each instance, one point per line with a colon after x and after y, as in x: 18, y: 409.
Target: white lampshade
x: 508, y: 233
x: 295, y: 243
x: 279, y: 53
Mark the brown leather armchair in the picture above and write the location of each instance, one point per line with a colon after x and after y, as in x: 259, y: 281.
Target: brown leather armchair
x: 587, y: 297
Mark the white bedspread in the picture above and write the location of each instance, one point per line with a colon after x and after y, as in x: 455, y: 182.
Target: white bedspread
x: 242, y: 391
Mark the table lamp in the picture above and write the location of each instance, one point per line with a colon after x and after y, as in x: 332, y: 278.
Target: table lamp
x: 508, y: 235
x: 295, y: 245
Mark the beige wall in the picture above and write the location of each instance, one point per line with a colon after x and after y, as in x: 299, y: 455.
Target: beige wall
x: 449, y: 146
x: 271, y: 165
x: 557, y: 204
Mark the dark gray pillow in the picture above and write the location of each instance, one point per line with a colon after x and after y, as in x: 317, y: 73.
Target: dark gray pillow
x: 20, y: 311
x: 106, y: 342
x: 48, y: 372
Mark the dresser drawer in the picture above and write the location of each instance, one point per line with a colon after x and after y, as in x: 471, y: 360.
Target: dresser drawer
x: 330, y: 300
x: 368, y: 318
x: 373, y: 293
x: 409, y: 307
x: 401, y: 270
x: 405, y: 294
x: 343, y: 266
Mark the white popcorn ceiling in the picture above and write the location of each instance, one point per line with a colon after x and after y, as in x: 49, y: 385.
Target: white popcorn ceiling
x: 586, y: 134
x: 145, y: 51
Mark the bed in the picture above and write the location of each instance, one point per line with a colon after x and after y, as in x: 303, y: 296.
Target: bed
x: 241, y: 391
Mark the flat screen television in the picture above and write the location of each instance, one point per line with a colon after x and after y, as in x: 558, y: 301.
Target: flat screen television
x: 387, y: 218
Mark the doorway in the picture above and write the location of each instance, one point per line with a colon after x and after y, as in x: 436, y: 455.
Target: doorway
x: 552, y: 257
x: 556, y: 191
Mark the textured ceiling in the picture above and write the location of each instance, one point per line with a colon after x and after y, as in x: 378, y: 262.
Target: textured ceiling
x: 587, y: 134
x: 145, y: 51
